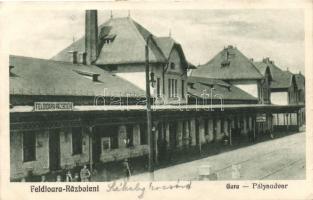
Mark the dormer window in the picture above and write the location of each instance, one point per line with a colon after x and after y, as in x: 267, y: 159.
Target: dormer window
x: 93, y: 76
x: 172, y: 65
x: 228, y: 54
x: 225, y: 63
x: 108, y: 39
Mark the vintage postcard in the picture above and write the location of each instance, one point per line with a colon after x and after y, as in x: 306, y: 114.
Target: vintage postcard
x: 172, y: 100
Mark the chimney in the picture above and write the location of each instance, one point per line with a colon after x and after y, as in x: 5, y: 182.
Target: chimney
x: 91, y: 36
x: 95, y: 77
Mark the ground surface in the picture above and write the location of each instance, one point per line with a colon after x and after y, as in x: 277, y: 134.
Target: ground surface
x: 282, y: 158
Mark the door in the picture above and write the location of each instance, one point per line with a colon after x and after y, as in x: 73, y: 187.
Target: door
x: 96, y: 145
x: 54, y: 149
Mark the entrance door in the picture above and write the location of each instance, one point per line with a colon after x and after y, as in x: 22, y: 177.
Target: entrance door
x: 54, y: 149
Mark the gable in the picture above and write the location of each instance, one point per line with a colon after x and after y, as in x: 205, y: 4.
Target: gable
x: 176, y: 59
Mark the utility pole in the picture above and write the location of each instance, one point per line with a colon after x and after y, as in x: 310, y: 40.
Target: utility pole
x: 149, y: 120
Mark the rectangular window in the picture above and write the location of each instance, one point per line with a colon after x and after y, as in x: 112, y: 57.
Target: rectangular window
x: 241, y: 123
x: 183, y: 89
x: 77, y: 140
x: 143, y: 134
x: 175, y: 86
x: 172, y: 88
x: 247, y: 123
x: 172, y: 65
x: 106, y: 143
x: 158, y: 87
x: 222, y: 125
x: 169, y: 88
x: 29, y: 146
x: 130, y: 136
x: 206, y: 127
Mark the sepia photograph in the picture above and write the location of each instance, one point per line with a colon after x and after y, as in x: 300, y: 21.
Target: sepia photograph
x: 124, y: 96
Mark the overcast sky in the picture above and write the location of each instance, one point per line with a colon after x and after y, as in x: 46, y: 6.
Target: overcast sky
x: 278, y: 34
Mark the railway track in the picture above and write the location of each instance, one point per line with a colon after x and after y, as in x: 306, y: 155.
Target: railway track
x: 260, y: 156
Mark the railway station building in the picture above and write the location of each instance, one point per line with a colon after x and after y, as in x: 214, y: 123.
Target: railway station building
x: 87, y: 104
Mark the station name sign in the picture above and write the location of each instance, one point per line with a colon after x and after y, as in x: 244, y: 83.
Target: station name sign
x: 53, y: 106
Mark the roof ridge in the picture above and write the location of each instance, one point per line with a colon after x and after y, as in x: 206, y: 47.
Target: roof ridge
x: 251, y: 62
x: 276, y: 67
x: 161, y: 37
x: 134, y: 22
x: 211, y: 60
x: 133, y: 25
x: 159, y: 48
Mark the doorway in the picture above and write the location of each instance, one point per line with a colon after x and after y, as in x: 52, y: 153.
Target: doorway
x: 54, y: 149
x: 173, y: 128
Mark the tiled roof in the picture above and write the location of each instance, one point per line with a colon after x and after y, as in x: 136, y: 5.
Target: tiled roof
x: 221, y: 89
x: 228, y: 64
x: 280, y: 78
x: 261, y: 66
x: 128, y: 45
x: 33, y: 76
